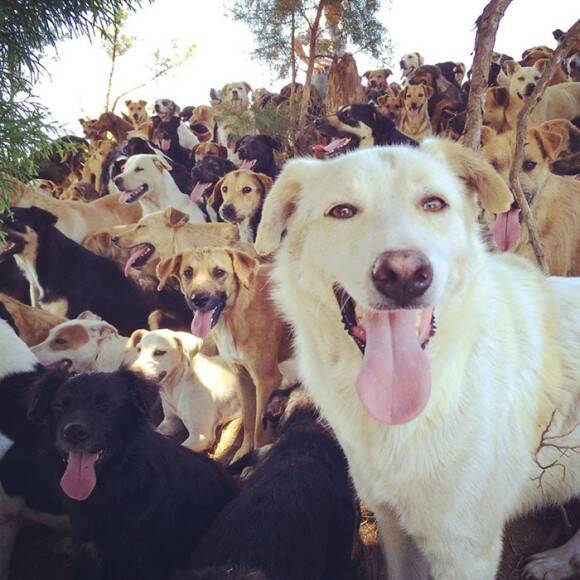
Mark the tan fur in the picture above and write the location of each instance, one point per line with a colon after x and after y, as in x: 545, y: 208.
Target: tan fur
x: 391, y: 107
x: 377, y: 79
x: 556, y: 199
x: 138, y: 117
x: 344, y: 86
x: 209, y: 148
x: 94, y: 163
x: 33, y: 323
x: 80, y: 191
x: 249, y: 331
x: 416, y: 126
x: 206, y: 116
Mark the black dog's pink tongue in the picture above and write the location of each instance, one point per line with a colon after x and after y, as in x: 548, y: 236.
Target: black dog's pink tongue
x: 394, y: 382
x: 79, y: 479
x: 248, y: 164
x: 201, y: 323
x: 165, y: 144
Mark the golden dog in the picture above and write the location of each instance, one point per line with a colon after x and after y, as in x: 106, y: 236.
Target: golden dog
x: 415, y: 121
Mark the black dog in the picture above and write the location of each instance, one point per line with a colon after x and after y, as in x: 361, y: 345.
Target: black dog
x: 257, y: 153
x: 138, y: 502
x: 60, y: 270
x: 205, y: 175
x: 353, y: 126
x: 296, y: 517
x: 166, y: 136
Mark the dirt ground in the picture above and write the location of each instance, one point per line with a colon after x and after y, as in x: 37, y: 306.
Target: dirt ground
x: 38, y: 554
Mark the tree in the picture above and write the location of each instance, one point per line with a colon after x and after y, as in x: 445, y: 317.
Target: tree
x: 26, y: 30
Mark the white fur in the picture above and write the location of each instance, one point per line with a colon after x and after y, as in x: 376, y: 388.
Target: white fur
x: 505, y: 356
x: 197, y: 391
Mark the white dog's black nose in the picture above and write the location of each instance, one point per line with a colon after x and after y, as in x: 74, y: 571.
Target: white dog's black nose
x: 402, y: 275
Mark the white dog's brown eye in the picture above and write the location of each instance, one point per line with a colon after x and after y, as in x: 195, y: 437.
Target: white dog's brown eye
x: 246, y: 189
x: 528, y: 165
x: 521, y: 79
x: 137, y: 169
x: 433, y: 204
x: 188, y: 273
x: 219, y: 273
x: 225, y: 189
x: 344, y: 211
x: 159, y: 352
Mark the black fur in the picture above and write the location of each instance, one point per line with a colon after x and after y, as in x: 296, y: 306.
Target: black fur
x: 261, y: 149
x: 88, y: 282
x: 296, y: 517
x: 210, y: 170
x: 5, y: 315
x: 153, y: 498
x: 225, y: 573
x: 167, y: 131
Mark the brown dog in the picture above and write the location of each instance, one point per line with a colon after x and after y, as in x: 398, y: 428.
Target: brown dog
x: 230, y: 296
x: 240, y: 196
x: 377, y: 79
x: 415, y: 122
x: 32, y: 324
x: 555, y: 200
x: 391, y: 106
x: 208, y: 148
x: 344, y: 86
x: 80, y: 191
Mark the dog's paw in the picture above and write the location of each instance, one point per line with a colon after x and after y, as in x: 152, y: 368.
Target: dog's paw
x: 556, y: 564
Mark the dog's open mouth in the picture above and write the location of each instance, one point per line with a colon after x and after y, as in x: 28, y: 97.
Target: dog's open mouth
x: 9, y: 248
x: 205, y: 319
x: 199, y: 190
x: 248, y: 164
x: 63, y: 364
x: 139, y: 257
x: 394, y: 381
x: 132, y: 195
x: 333, y: 146
x: 507, y: 228
x: 79, y: 478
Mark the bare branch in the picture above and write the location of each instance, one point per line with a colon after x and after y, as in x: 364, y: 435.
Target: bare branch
x: 487, y: 25
x: 564, y: 46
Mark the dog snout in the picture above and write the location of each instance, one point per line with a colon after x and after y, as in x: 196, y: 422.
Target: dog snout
x: 118, y: 181
x: 198, y: 128
x: 114, y: 239
x: 402, y: 275
x: 75, y: 433
x: 228, y: 212
x: 200, y: 299
x: 373, y: 83
x: 530, y: 89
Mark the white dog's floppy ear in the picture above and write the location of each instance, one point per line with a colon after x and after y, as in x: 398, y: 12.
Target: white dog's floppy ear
x: 420, y: 59
x: 137, y: 337
x: 190, y: 345
x: 477, y: 174
x: 279, y: 206
x: 88, y: 315
x: 102, y: 330
x: 161, y: 163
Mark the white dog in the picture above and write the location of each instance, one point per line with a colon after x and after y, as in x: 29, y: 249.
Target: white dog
x: 468, y: 355
x: 197, y: 391
x: 409, y: 63
x: 83, y: 344
x: 146, y: 179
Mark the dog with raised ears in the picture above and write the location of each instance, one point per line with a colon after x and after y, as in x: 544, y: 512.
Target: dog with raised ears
x: 138, y: 117
x: 146, y: 179
x: 205, y: 175
x: 66, y: 279
x: 240, y: 196
x: 409, y: 338
x: 166, y: 136
x: 202, y: 150
x: 554, y: 199
x: 296, y: 516
x: 257, y: 153
x: 86, y: 343
x: 197, y: 392
x: 99, y: 423
x: 391, y: 106
x: 229, y: 294
x: 415, y: 122
x: 358, y: 127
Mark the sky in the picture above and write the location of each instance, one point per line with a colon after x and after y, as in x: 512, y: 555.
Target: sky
x: 75, y: 83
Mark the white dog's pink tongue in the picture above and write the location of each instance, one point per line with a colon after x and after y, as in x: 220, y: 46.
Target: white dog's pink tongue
x: 394, y: 382
x: 197, y: 191
x: 133, y: 258
x: 79, y: 478
x: 201, y: 323
x: 506, y: 230
x: 125, y: 196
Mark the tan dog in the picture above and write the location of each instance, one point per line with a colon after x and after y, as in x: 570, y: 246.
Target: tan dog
x: 230, y: 296
x: 205, y: 125
x: 555, y: 199
x: 197, y: 391
x: 391, y: 107
x: 415, y: 120
x: 33, y: 324
x: 77, y: 219
x: 93, y: 166
x: 46, y: 187
x: 209, y: 148
x: 240, y: 196
x: 86, y: 343
x: 377, y: 79
x: 161, y: 235
x: 80, y: 191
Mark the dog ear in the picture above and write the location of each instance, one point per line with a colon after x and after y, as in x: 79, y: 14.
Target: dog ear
x: 382, y: 98
x: 166, y: 269
x: 41, y: 219
x: 238, y: 143
x: 387, y: 72
x: 137, y: 337
x: 477, y: 174
x: 142, y: 393
x: 174, y: 218
x: 541, y: 65
x: 215, y: 199
x: 403, y: 93
x: 510, y: 67
x: 222, y: 152
x: 88, y: 315
x: 265, y: 182
x: 142, y: 103
x: 280, y: 204
x: 161, y: 163
x: 420, y: 59
x: 274, y: 143
x: 550, y: 140
x: 190, y: 345
x: 248, y: 87
x: 367, y: 74
x: 487, y: 134
x: 102, y: 330
x: 500, y: 95
x: 244, y: 266
x: 42, y: 392
x: 428, y: 92
x: 128, y: 102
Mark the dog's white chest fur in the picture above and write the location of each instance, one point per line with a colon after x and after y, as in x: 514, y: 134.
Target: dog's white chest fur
x: 225, y: 343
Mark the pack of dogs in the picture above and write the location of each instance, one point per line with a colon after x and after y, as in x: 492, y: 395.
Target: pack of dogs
x: 211, y: 354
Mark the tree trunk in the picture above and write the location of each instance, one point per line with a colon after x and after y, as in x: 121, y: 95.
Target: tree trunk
x: 292, y: 65
x: 565, y: 44
x: 311, y: 60
x: 487, y: 25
